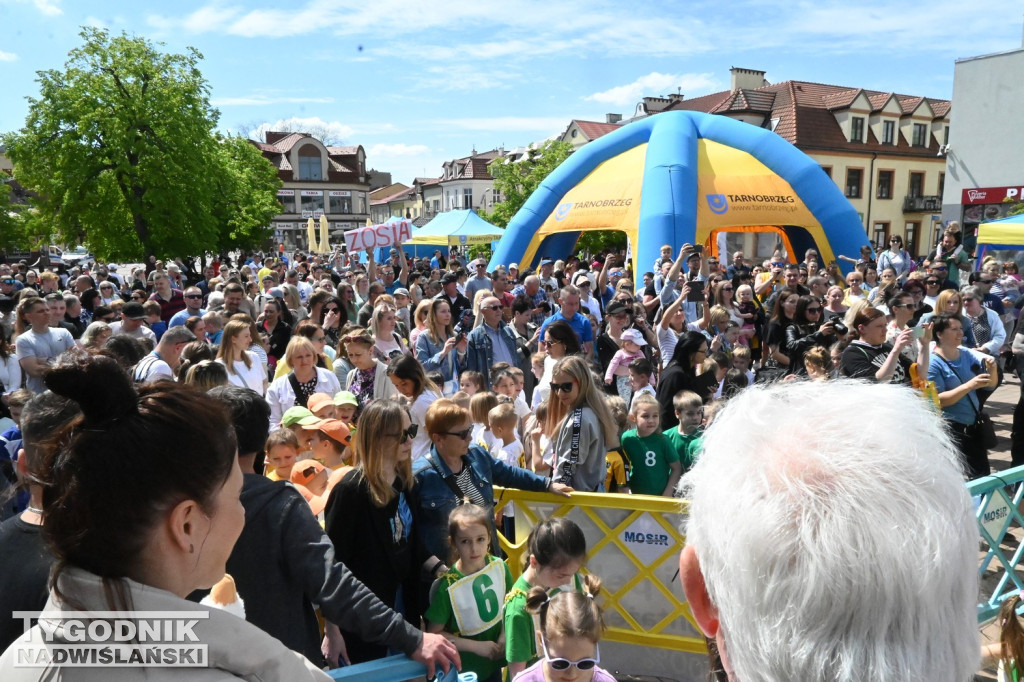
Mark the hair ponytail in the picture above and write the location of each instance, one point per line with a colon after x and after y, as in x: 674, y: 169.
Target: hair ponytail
x: 568, y: 614
x: 1011, y: 635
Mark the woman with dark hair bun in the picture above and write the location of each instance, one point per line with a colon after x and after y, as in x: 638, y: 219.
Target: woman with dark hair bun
x: 141, y: 507
x: 681, y: 375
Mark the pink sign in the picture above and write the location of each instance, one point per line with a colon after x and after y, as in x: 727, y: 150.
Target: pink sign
x: 378, y: 236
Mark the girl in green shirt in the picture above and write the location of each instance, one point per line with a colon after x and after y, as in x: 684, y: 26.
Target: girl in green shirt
x: 557, y: 549
x: 466, y: 602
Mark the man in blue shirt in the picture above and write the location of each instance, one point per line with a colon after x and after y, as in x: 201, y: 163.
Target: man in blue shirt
x: 570, y: 303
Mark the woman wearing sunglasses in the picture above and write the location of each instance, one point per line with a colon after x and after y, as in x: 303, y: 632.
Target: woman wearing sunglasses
x: 369, y: 519
x: 453, y: 471
x: 579, y: 415
x: 569, y: 634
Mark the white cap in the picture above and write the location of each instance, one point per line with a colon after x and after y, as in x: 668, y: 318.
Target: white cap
x: 633, y: 335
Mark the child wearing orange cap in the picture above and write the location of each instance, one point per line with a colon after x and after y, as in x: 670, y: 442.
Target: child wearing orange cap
x: 321, y: 405
x: 330, y: 443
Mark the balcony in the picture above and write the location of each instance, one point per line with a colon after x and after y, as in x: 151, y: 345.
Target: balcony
x: 922, y: 204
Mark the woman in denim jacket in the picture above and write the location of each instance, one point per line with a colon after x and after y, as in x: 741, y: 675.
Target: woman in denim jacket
x: 452, y: 464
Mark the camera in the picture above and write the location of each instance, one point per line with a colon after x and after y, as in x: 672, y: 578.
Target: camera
x: 840, y: 328
x: 465, y: 323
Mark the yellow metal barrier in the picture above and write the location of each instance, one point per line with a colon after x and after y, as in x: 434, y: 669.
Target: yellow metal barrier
x: 633, y: 544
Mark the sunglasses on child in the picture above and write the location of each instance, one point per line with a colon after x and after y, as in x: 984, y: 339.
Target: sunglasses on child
x: 562, y: 664
x: 564, y: 388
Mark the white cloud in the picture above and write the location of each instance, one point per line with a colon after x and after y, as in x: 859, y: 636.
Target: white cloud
x: 657, y: 84
x: 507, y: 123
x: 452, y: 77
x: 262, y: 100
x: 387, y: 150
x: 514, y: 30
x: 48, y: 7
x: 332, y: 129
x: 8, y: 56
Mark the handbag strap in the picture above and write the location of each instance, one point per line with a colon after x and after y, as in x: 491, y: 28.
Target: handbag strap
x: 977, y: 412
x: 449, y: 480
x: 300, y: 397
x: 574, y: 447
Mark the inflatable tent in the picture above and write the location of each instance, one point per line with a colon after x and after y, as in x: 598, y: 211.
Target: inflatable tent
x: 683, y: 177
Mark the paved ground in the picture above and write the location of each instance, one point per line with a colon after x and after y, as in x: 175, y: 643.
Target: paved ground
x: 1000, y: 408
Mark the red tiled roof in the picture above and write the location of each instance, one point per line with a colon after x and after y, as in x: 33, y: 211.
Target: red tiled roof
x: 340, y: 165
x: 594, y: 129
x: 805, y: 112
x: 472, y: 167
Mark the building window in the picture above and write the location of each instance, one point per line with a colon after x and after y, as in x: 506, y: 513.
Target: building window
x: 854, y: 179
x: 857, y: 129
x: 827, y: 170
x: 287, y: 199
x: 920, y: 135
x: 360, y: 202
x: 945, y: 135
x: 880, y: 235
x: 309, y: 163
x: 312, y: 200
x: 437, y: 205
x: 467, y: 198
x: 888, y: 132
x: 911, y: 231
x: 341, y: 201
x: 942, y: 183
x: 916, y: 184
x: 885, y: 184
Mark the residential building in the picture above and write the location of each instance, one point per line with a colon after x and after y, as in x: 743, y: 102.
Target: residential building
x: 394, y: 200
x: 377, y: 179
x: 318, y: 180
x: 984, y: 168
x: 881, y: 148
x: 430, y: 199
x: 579, y: 133
x: 466, y: 182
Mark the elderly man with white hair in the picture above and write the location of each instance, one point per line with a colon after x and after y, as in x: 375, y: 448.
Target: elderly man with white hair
x: 822, y: 550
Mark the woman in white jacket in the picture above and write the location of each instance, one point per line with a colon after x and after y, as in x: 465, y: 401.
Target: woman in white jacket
x: 138, y: 534
x: 304, y: 380
x: 369, y: 378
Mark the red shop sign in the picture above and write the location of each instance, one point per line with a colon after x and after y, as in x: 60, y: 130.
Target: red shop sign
x: 991, y: 195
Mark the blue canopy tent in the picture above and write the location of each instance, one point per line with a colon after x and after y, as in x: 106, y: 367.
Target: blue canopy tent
x: 456, y: 228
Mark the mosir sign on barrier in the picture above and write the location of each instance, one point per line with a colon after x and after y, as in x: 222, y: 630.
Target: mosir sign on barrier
x: 378, y: 236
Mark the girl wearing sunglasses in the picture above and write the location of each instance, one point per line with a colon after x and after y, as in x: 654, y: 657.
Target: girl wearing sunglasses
x: 569, y: 632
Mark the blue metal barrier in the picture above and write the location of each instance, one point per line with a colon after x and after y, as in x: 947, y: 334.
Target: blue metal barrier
x: 390, y: 669
x: 998, y: 500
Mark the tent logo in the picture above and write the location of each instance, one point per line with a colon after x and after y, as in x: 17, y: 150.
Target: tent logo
x: 563, y: 210
x: 717, y: 203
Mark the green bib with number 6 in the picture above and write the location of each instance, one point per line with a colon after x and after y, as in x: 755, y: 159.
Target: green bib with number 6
x: 477, y: 599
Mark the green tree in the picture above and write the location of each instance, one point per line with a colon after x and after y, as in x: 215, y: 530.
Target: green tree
x: 516, y: 180
x: 245, y: 196
x: 121, y: 150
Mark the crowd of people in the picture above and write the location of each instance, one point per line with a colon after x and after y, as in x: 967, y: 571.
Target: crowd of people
x: 400, y: 393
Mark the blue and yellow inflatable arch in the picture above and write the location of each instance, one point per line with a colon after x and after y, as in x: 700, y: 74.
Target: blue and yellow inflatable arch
x: 681, y: 177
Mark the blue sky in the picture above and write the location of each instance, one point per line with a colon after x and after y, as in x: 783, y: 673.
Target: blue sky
x: 417, y: 83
